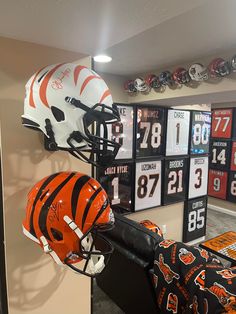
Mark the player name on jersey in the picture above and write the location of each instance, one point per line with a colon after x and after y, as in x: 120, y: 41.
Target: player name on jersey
x: 220, y: 154
x: 148, y: 184
x: 177, y: 132
x: 117, y: 180
x: 175, y: 180
x: 232, y: 187
x: 200, y: 132
x: 217, y: 186
x: 150, y: 127
x: 194, y: 219
x: 122, y: 132
x: 222, y: 120
x: 198, y: 174
x: 117, y: 169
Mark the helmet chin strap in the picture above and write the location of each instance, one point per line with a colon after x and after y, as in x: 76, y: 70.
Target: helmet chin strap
x: 48, y: 250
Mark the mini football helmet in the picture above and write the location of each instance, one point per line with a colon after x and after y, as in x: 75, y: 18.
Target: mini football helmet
x: 129, y: 86
x: 65, y: 215
x: 181, y: 76
x: 64, y: 101
x: 153, y: 81
x: 233, y: 63
x: 151, y: 226
x: 219, y: 68
x: 140, y: 85
x: 198, y: 72
x: 165, y: 78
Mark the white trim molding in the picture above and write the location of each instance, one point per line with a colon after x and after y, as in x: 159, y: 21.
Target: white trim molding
x: 196, y: 241
x: 222, y: 210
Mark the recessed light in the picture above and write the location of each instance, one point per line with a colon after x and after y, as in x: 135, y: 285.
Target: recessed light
x: 102, y: 58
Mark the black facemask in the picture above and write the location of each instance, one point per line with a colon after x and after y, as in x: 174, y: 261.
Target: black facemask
x: 102, y: 151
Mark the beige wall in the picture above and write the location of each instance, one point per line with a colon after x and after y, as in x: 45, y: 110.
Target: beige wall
x: 170, y: 215
x: 36, y: 285
x: 115, y: 84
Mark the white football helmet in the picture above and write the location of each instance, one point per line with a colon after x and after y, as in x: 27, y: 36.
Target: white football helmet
x: 64, y: 101
x: 198, y: 72
x: 141, y: 85
x: 233, y: 63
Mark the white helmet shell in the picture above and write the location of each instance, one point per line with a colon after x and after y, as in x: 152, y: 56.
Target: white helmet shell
x: 198, y: 72
x: 63, y: 100
x: 140, y: 85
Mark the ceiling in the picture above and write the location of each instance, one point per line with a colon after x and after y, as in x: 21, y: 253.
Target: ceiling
x: 140, y: 35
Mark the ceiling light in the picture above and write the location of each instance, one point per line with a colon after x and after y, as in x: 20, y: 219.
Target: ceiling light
x: 102, y: 58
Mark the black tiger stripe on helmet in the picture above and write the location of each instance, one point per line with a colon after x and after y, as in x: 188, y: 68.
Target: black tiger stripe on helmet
x: 45, y: 208
x: 38, y: 196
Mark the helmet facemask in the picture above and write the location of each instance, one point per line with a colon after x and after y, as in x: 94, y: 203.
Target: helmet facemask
x: 93, y: 248
x: 95, y: 121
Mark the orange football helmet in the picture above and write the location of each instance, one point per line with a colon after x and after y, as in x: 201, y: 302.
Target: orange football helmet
x: 151, y: 226
x: 65, y: 213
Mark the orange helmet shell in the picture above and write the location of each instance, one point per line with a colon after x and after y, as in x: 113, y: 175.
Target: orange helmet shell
x: 151, y: 226
x: 65, y: 194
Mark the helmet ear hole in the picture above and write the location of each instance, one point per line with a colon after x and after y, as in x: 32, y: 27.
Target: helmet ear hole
x: 58, y: 114
x: 57, y: 234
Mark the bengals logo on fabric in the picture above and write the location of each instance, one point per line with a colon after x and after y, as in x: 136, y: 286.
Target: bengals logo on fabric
x: 221, y: 293
x: 172, y: 303
x: 186, y: 256
x: 155, y: 280
x: 200, y: 280
x: 166, y: 243
x: 168, y: 274
x: 226, y: 273
x: 231, y: 306
x: 194, y: 305
x: 203, y: 253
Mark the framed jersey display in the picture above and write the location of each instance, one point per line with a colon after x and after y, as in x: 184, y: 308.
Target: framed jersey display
x: 150, y: 131
x: 198, y: 174
x: 175, y: 173
x: 222, y: 123
x: 148, y: 184
x: 232, y: 187
x: 220, y: 154
x: 233, y: 157
x: 122, y: 132
x: 117, y: 180
x: 217, y: 186
x: 200, y: 132
x: 177, y: 132
x: 194, y: 219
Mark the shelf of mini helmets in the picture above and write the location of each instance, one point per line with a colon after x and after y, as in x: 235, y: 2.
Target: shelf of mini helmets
x: 197, y: 73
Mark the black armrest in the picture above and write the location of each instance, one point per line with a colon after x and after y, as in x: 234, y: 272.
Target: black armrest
x: 126, y: 279
x: 134, y: 237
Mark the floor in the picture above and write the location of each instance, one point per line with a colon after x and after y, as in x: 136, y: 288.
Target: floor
x: 217, y: 223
